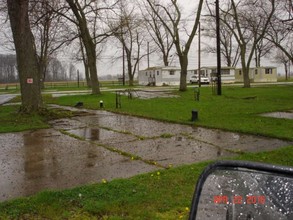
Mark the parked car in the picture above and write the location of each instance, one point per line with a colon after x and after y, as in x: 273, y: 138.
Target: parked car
x: 203, y: 79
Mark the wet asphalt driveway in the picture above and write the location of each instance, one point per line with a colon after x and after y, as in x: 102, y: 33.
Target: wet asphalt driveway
x: 101, y: 145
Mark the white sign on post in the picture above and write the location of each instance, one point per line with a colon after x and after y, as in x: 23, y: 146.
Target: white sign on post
x: 29, y: 80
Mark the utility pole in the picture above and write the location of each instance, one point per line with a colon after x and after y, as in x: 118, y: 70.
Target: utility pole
x: 78, y: 78
x: 148, y: 54
x: 219, y: 82
x: 199, y: 56
x: 123, y: 66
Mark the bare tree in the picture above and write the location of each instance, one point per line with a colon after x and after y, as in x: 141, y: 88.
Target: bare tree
x: 158, y: 33
x: 87, y: 39
x: 251, y: 19
x: 281, y: 27
x: 91, y: 32
x: 27, y: 61
x: 7, y: 68
x: 50, y: 31
x: 6, y: 38
x: 287, y: 10
x: 56, y: 70
x: 262, y: 49
x: 230, y: 49
x: 72, y: 72
x: 128, y: 30
x: 280, y: 57
x: 172, y: 24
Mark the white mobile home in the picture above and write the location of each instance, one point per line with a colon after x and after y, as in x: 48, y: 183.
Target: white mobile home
x: 227, y: 73
x: 159, y: 76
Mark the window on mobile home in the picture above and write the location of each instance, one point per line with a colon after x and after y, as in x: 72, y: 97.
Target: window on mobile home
x: 269, y: 71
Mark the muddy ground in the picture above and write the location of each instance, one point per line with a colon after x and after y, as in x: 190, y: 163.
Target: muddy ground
x: 101, y: 145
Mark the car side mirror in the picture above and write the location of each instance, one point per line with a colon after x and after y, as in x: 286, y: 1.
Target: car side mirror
x: 243, y: 190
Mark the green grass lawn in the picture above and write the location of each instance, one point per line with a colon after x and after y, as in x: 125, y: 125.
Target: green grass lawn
x: 159, y: 195
x: 238, y: 109
x: 167, y: 194
x: 11, y: 120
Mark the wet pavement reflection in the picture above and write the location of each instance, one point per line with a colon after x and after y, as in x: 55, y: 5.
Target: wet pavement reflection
x: 48, y: 159
x: 87, y: 149
x: 286, y: 115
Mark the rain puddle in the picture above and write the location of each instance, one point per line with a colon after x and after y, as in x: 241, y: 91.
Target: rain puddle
x: 47, y: 159
x: 76, y: 150
x: 147, y: 94
x: 286, y: 115
x: 101, y: 135
x: 133, y: 93
x: 4, y: 98
x: 172, y: 151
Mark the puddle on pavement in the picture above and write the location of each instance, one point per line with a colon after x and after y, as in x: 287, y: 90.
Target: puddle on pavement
x: 285, y: 115
x: 149, y: 94
x: 47, y: 159
x: 66, y: 124
x: 236, y: 141
x: 101, y: 135
x: 137, y: 126
x: 173, y: 150
x: 151, y: 128
x: 56, y: 95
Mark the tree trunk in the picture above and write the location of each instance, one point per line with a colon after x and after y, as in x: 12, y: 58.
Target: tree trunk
x: 245, y: 68
x: 27, y: 62
x: 92, y: 64
x: 87, y: 74
x: 89, y: 45
x: 131, y: 80
x: 90, y: 50
x: 246, y: 79
x: 183, y: 76
x: 166, y: 59
x: 129, y: 67
x: 286, y: 70
x: 130, y: 76
x: 43, y: 69
x: 85, y: 63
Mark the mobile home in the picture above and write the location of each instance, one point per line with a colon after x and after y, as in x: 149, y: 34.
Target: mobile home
x: 159, y: 76
x: 258, y: 74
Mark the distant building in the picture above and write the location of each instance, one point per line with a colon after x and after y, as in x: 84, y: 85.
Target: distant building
x: 170, y: 75
x: 258, y: 74
x: 160, y: 75
x: 227, y: 73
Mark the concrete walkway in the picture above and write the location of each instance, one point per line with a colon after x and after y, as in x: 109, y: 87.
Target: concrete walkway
x: 4, y: 98
x: 100, y: 145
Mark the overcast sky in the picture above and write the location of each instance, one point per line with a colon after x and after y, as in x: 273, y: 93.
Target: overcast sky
x: 106, y: 67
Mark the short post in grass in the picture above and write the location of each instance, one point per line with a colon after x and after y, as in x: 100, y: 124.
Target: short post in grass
x: 101, y: 104
x: 196, y: 93
x: 194, y: 115
x: 118, y: 99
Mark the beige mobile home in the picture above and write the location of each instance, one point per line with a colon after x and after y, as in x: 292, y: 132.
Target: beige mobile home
x: 258, y: 74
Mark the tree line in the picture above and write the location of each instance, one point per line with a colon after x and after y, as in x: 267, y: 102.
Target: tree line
x: 55, y: 71
x: 135, y: 29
